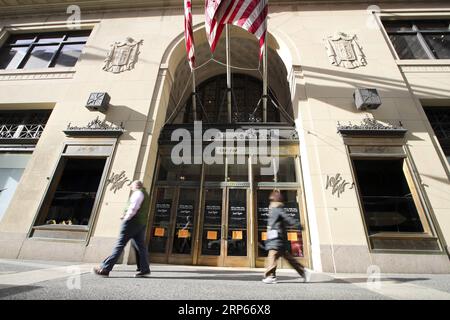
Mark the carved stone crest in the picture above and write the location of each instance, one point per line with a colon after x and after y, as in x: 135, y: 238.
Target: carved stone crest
x: 123, y: 56
x: 344, y: 51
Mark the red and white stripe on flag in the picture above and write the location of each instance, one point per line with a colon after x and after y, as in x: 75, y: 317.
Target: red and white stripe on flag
x: 189, y: 33
x: 250, y: 15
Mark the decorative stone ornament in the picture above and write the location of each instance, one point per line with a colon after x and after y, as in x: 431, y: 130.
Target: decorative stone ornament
x: 367, y: 99
x: 123, y: 56
x: 95, y: 128
x: 118, y: 181
x: 98, y: 101
x: 373, y: 128
x: 344, y: 51
x: 338, y: 185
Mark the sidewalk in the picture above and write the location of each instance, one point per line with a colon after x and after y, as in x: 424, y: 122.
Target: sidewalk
x: 62, y: 281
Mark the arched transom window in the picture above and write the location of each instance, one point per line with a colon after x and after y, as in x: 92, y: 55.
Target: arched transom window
x: 247, y: 105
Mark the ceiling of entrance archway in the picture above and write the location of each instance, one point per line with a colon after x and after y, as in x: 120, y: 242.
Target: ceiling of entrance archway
x: 244, y: 54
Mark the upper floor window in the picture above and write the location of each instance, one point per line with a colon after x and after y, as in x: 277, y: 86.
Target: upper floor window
x: 422, y: 39
x: 439, y: 118
x: 43, y: 50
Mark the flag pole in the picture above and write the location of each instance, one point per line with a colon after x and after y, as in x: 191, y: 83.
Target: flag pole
x: 194, y: 95
x: 265, y: 80
x: 229, y: 97
x: 190, y: 48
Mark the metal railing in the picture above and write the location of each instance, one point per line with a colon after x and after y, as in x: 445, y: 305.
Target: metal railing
x: 21, y: 131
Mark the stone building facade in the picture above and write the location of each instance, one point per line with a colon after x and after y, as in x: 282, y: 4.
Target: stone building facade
x: 89, y: 99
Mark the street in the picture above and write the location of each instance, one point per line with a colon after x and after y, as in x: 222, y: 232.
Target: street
x: 33, y: 280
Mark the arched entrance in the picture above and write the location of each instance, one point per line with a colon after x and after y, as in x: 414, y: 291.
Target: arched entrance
x: 215, y: 212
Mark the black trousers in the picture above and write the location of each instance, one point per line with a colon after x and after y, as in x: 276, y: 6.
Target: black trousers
x: 136, y: 254
x: 129, y: 231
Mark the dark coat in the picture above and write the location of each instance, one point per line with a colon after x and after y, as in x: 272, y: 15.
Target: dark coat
x: 280, y: 221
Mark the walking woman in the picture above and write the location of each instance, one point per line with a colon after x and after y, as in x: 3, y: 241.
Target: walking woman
x: 278, y: 223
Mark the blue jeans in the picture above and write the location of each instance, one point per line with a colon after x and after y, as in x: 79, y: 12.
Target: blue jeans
x: 129, y: 231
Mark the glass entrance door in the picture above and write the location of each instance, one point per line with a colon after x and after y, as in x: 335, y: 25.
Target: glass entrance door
x: 160, y: 230
x: 236, y: 251
x: 181, y: 249
x: 224, y: 230
x: 295, y: 236
x: 216, y: 215
x: 211, y: 244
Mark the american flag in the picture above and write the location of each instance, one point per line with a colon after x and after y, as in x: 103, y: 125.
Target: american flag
x: 189, y: 33
x: 250, y: 15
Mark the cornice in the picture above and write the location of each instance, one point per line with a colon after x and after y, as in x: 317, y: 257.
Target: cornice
x: 29, y: 7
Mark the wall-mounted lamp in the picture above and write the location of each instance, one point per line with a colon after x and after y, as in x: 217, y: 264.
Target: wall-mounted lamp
x: 367, y: 99
x: 98, y: 101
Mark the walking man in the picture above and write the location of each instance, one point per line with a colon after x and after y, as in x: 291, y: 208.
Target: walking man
x: 133, y: 228
x: 276, y: 241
